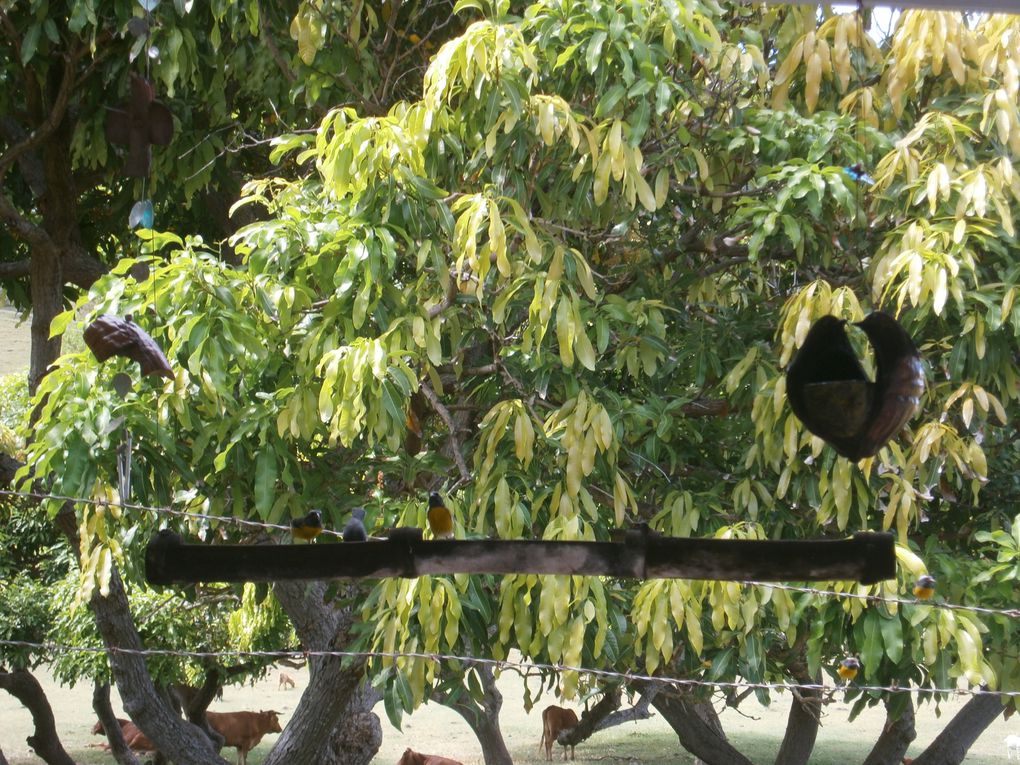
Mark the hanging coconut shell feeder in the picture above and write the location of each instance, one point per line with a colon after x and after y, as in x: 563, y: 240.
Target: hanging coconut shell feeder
x: 831, y: 394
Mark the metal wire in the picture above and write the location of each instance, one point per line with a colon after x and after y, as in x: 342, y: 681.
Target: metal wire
x: 500, y: 664
x: 1009, y: 613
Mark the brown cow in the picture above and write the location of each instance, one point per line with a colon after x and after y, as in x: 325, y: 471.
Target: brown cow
x: 412, y: 757
x: 243, y: 730
x: 556, y: 720
x: 133, y: 737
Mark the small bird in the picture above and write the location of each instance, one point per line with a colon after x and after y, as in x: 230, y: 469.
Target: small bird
x: 924, y: 587
x: 440, y: 519
x: 830, y: 393
x: 848, y: 668
x: 857, y: 173
x: 307, y: 528
x: 354, y: 529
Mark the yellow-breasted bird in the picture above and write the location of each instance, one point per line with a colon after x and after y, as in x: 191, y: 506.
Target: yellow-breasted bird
x: 307, y: 528
x: 440, y: 519
x: 848, y: 668
x: 924, y: 587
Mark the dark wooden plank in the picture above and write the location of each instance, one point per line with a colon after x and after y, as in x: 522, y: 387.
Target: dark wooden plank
x: 866, y: 558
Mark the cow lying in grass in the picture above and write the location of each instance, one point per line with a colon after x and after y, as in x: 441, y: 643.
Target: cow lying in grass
x: 411, y: 757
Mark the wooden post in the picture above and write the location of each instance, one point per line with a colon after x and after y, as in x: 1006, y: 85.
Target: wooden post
x: 866, y: 558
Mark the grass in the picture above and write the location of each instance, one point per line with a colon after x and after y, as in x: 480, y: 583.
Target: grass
x: 756, y: 731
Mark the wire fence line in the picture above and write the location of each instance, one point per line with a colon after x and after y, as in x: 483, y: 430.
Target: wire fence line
x: 1009, y: 613
x: 501, y: 664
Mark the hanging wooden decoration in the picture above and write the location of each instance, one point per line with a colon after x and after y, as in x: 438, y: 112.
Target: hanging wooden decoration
x: 110, y: 336
x: 138, y: 124
x: 831, y: 394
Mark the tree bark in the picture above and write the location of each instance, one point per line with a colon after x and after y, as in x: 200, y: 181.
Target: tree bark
x: 592, y: 719
x: 25, y: 688
x: 114, y: 734
x: 482, y: 718
x: 802, y: 722
x: 333, y: 682
x: 637, y: 712
x: 951, y: 745
x: 183, y: 742
x: 46, y: 286
x: 357, y: 737
x: 896, y: 736
x: 693, y: 726
x: 3, y: 760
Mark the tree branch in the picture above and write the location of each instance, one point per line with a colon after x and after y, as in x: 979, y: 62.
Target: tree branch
x: 22, y: 228
x: 53, y: 119
x: 25, y: 688
x: 444, y: 415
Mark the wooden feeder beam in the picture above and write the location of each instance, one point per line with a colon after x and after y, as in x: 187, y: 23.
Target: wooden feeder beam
x: 866, y: 558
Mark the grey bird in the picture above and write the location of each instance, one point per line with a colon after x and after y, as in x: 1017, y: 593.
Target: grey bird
x: 354, y: 530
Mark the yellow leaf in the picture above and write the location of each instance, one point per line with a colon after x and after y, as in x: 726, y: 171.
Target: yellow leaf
x: 812, y: 81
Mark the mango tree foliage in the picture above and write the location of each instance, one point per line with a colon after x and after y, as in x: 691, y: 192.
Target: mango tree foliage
x: 590, y: 248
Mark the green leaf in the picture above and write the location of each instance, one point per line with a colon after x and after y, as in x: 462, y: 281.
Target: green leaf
x: 594, y: 51
x: 30, y: 43
x: 265, y: 480
x: 892, y: 637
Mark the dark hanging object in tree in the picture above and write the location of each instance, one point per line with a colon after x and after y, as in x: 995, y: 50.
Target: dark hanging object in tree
x: 830, y: 393
x: 138, y: 124
x: 109, y: 336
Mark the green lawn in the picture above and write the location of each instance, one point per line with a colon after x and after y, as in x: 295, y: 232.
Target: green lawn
x: 756, y: 731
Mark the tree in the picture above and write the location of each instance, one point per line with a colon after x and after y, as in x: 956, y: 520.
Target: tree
x: 582, y: 259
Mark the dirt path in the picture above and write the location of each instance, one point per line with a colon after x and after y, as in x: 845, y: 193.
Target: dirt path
x: 15, y: 342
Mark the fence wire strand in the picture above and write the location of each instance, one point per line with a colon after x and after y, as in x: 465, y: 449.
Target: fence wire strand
x: 501, y: 664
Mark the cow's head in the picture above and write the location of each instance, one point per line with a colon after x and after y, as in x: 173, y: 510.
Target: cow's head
x: 411, y: 757
x: 272, y: 720
x: 98, y: 729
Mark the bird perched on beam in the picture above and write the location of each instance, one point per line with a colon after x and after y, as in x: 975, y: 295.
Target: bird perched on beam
x: 354, y: 529
x: 308, y: 527
x: 831, y: 394
x: 440, y: 519
x: 848, y: 668
x: 924, y: 587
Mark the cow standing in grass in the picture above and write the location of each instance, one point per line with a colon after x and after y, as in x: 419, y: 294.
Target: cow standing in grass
x: 243, y: 730
x: 556, y: 721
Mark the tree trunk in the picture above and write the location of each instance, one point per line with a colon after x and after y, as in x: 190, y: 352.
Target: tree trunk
x: 897, y: 734
x: 333, y: 682
x: 114, y: 734
x: 357, y: 737
x: 592, y: 719
x: 951, y: 745
x: 696, y: 726
x: 802, y: 723
x: 25, y: 688
x: 483, y: 718
x: 178, y: 739
x: 3, y: 760
x: 46, y: 286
